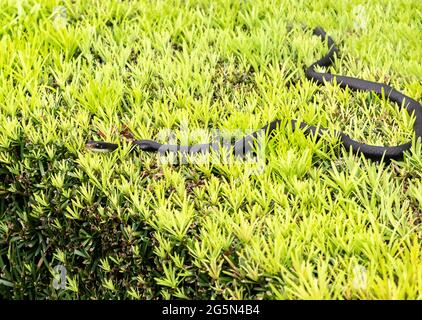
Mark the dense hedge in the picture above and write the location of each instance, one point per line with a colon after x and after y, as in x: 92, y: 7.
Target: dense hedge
x: 316, y: 222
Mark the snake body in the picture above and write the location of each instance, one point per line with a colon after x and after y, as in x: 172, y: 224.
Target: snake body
x: 245, y: 144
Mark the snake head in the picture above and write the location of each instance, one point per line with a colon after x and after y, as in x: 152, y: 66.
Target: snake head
x: 101, y: 146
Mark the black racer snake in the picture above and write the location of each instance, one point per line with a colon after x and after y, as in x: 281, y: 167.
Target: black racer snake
x: 245, y: 144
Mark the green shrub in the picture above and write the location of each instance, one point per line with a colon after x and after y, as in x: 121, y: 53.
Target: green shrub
x: 316, y: 222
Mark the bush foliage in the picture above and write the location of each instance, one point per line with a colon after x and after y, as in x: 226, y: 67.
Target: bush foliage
x: 315, y: 222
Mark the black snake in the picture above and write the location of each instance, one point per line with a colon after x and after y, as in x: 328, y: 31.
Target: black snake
x: 245, y: 144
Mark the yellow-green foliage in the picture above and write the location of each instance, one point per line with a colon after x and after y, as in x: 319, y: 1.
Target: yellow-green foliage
x: 315, y: 222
